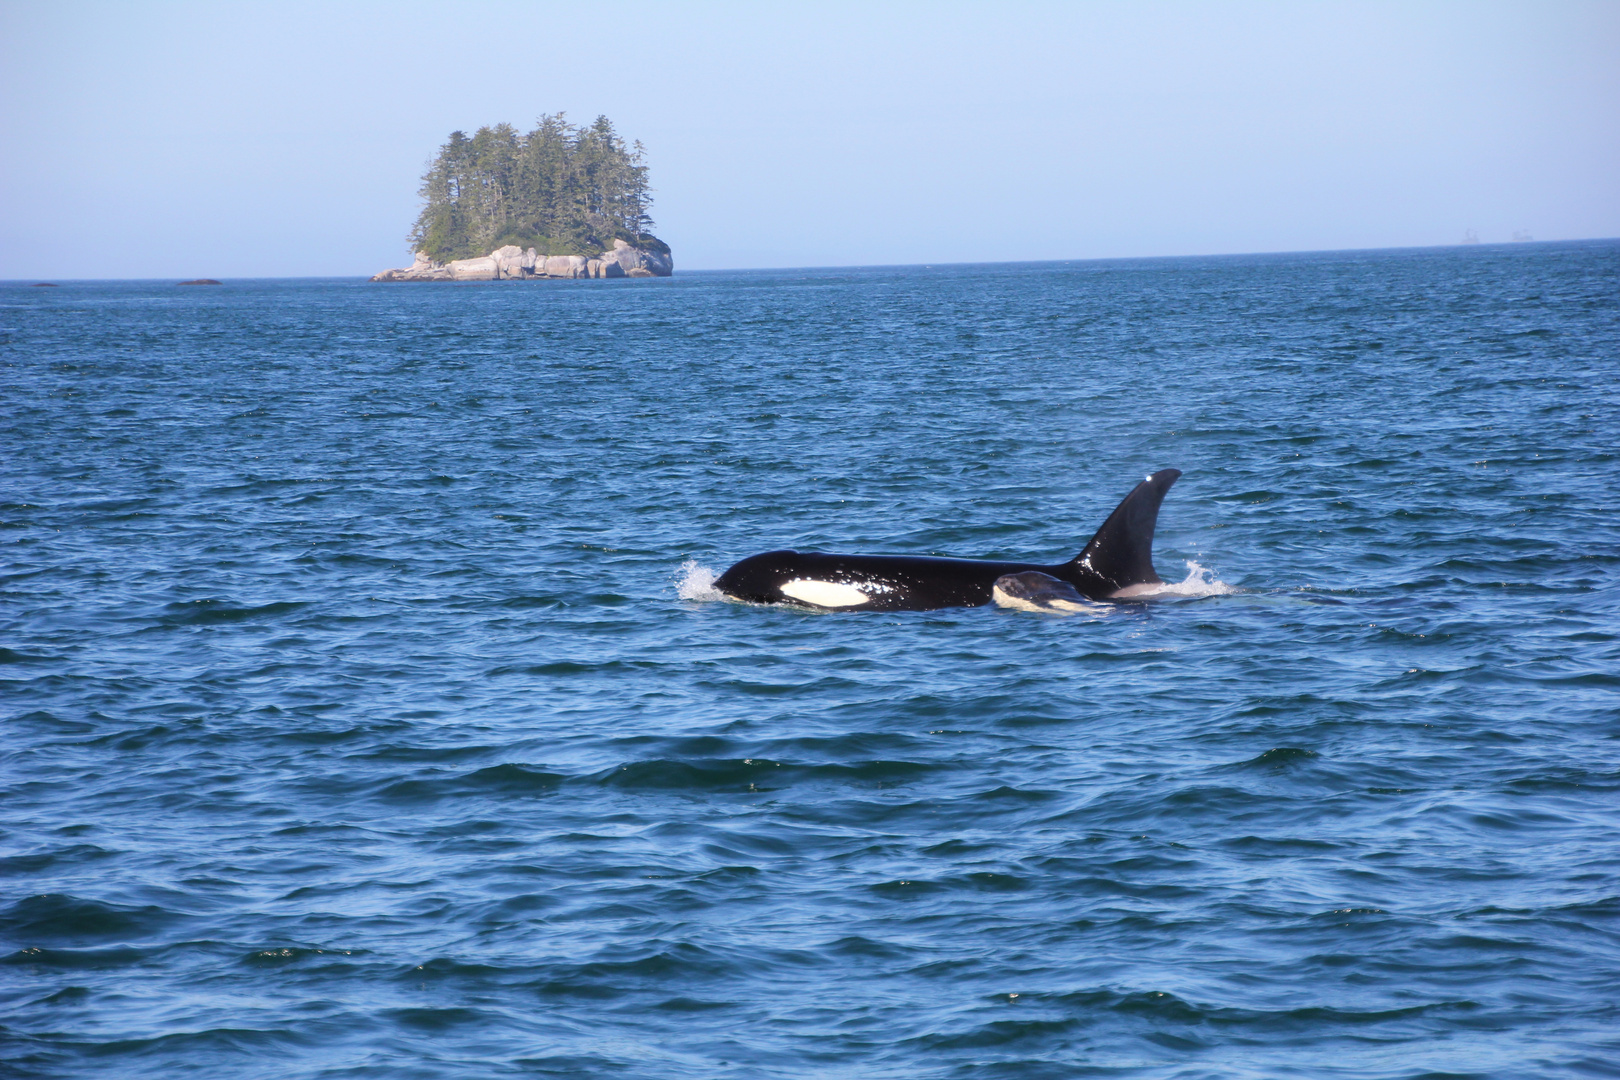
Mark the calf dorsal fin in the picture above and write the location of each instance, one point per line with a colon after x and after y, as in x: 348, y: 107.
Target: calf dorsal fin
x: 1121, y: 554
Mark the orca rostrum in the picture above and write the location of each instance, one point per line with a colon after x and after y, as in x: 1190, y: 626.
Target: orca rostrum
x: 1116, y: 565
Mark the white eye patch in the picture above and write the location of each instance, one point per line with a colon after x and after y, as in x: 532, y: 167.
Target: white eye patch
x: 823, y: 593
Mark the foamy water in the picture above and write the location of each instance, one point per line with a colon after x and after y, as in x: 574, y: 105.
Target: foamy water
x: 1200, y: 581
x: 694, y: 581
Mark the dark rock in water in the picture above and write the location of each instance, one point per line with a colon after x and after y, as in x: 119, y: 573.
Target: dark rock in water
x: 44, y: 284
x: 201, y: 281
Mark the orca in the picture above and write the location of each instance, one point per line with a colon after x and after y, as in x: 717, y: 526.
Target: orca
x: 1035, y: 591
x: 1116, y: 565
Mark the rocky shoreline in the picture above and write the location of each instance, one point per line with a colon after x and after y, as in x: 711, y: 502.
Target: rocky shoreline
x: 512, y: 263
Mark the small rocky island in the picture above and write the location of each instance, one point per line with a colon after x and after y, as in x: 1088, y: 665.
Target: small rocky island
x: 558, y: 202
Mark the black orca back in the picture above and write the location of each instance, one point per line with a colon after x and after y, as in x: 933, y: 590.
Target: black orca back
x: 1121, y: 554
x: 1118, y: 557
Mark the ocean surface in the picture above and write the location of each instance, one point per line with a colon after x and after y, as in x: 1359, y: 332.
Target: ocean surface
x: 366, y: 711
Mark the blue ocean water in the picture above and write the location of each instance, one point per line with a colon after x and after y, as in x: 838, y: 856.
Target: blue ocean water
x: 366, y: 713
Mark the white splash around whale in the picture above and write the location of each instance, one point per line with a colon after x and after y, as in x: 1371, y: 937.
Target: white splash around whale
x: 694, y: 581
x: 1200, y: 581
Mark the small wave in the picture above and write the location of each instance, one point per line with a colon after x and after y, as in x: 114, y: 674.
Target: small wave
x: 290, y: 954
x: 1200, y: 581
x: 57, y: 918
x: 694, y: 581
x: 119, y: 956
x: 210, y: 612
x: 509, y: 779
x: 1280, y: 757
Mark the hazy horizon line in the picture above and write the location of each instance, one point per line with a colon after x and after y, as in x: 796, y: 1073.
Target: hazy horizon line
x: 32, y: 281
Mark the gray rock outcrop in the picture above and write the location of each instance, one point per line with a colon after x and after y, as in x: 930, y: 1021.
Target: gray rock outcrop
x: 512, y: 263
x: 484, y: 268
x: 565, y: 266
x: 638, y: 262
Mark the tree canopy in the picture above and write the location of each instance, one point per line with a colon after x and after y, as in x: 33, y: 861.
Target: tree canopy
x: 561, y: 189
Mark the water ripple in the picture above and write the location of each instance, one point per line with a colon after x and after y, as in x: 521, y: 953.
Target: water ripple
x: 369, y: 712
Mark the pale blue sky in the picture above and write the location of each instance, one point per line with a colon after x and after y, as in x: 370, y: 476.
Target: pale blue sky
x: 183, y: 139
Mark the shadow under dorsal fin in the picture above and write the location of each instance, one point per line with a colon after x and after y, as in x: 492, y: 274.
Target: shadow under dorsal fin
x: 1121, y: 554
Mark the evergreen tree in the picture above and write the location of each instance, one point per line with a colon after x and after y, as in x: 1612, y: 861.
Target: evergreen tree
x: 562, y: 189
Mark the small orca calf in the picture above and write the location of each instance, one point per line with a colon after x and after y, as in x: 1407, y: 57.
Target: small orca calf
x: 1116, y: 565
x: 1035, y: 591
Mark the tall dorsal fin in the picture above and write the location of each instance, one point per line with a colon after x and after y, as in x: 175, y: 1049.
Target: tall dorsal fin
x: 1121, y: 554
